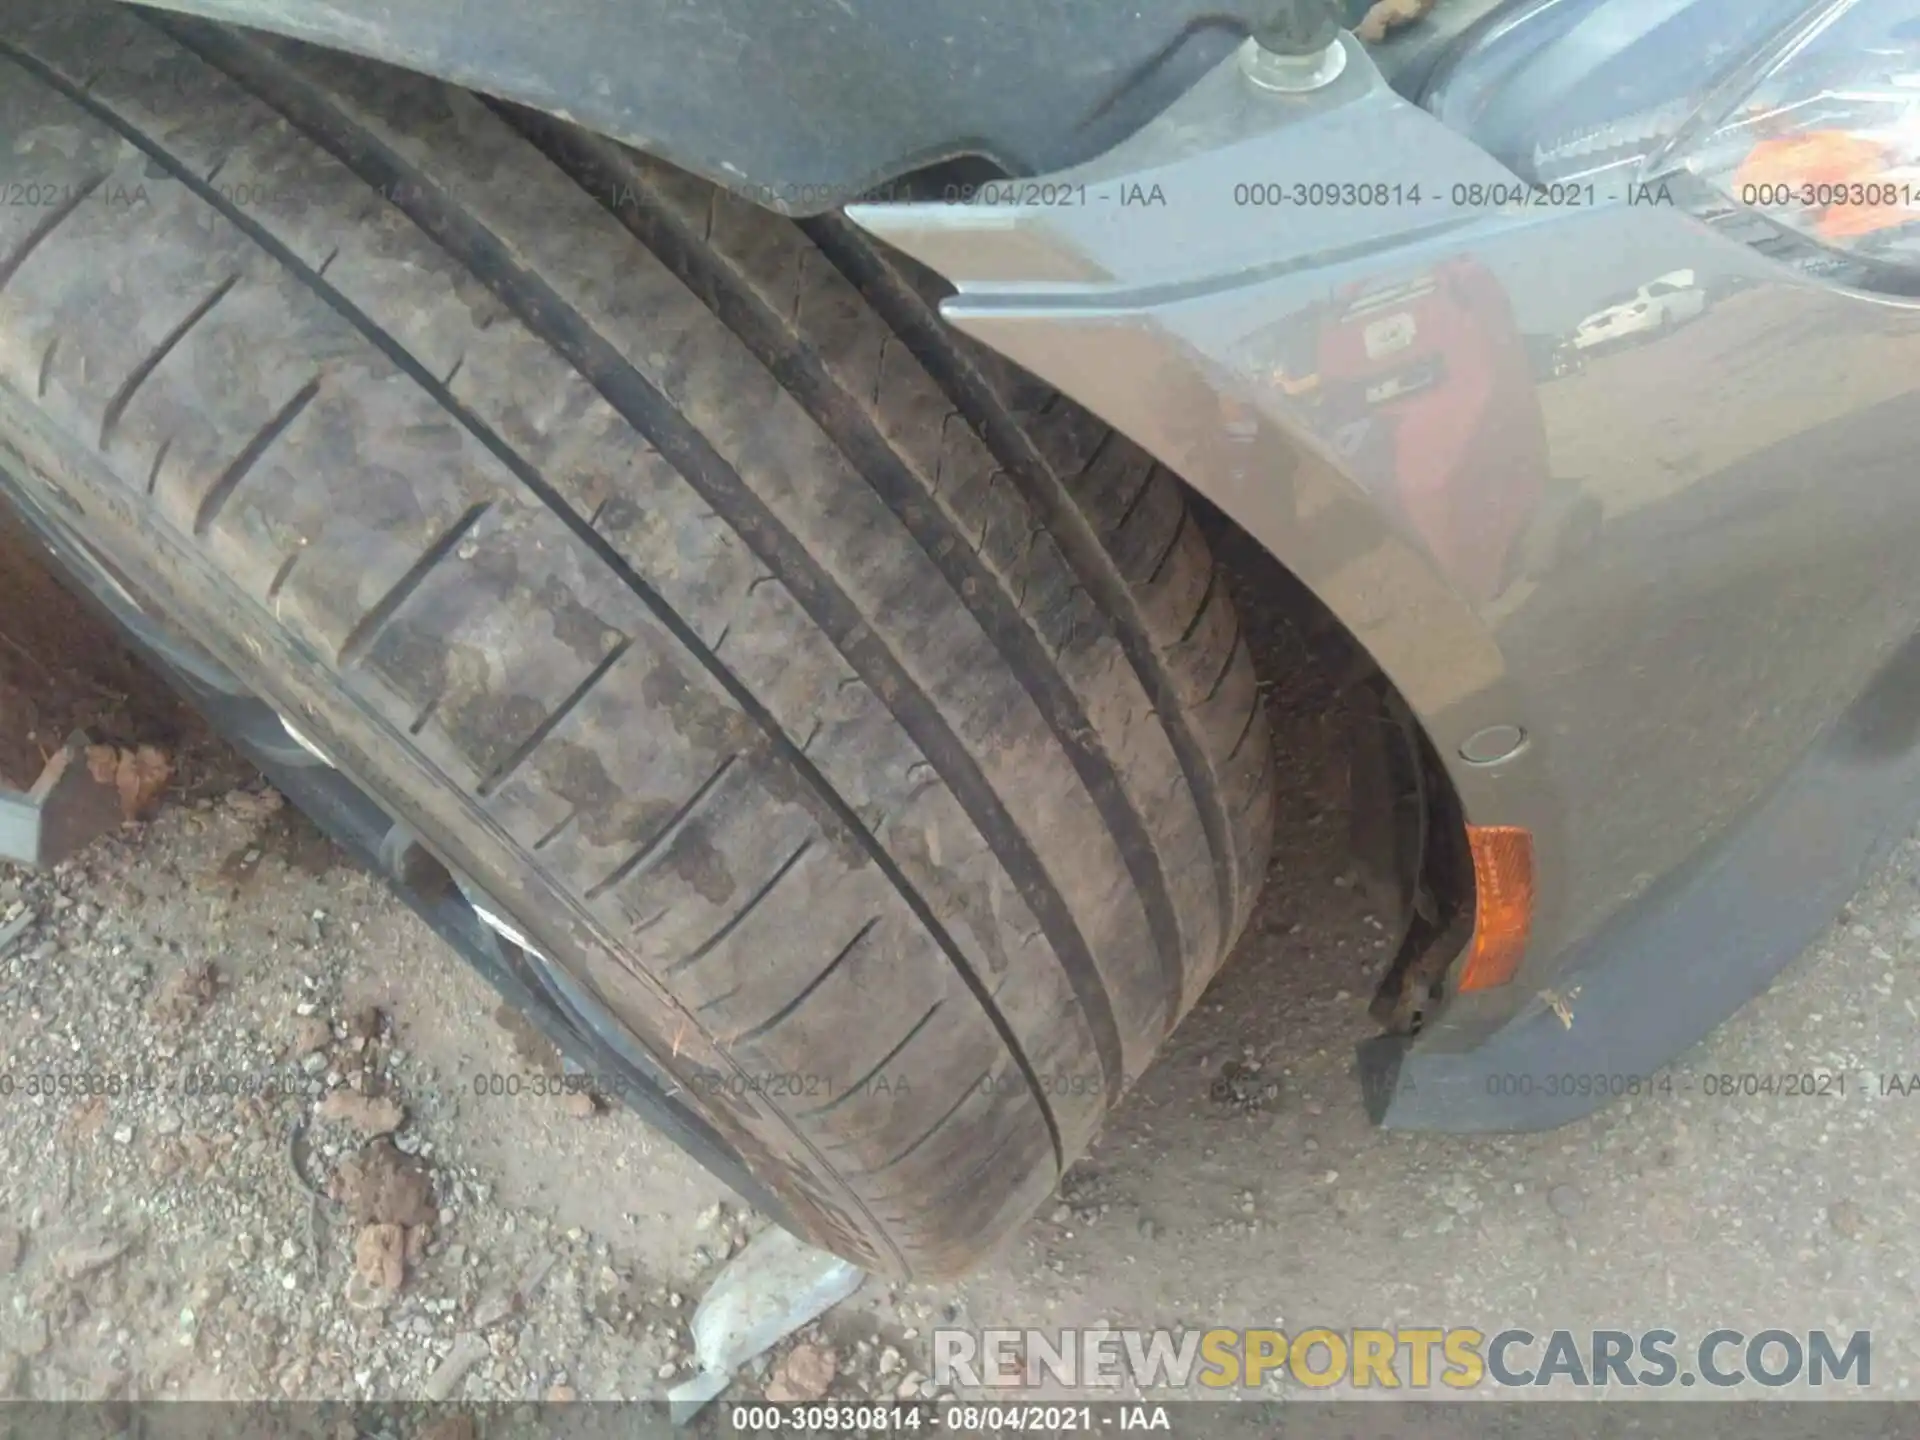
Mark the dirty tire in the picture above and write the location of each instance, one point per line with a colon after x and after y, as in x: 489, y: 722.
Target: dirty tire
x: 869, y: 733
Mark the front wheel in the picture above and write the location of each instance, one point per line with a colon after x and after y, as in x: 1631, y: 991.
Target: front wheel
x: 860, y: 734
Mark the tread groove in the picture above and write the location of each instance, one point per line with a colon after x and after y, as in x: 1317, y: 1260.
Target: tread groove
x: 55, y: 217
x: 932, y: 1130
x: 1220, y: 680
x: 979, y: 1167
x: 735, y: 920
x: 885, y: 1060
x: 954, y: 556
x: 549, y: 316
x: 367, y: 629
x: 1200, y: 610
x: 281, y: 575
x: 1173, y: 544
x: 1139, y: 496
x: 502, y: 772
x: 427, y: 712
x: 123, y: 397
x: 910, y: 315
x: 773, y: 1021
x: 639, y: 857
x: 1253, y: 715
x: 557, y: 831
x: 159, y: 459
x: 229, y: 480
x: 46, y: 368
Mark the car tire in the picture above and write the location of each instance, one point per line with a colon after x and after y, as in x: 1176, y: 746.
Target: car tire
x: 865, y: 733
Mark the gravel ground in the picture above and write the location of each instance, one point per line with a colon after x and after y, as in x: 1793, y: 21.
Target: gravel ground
x: 268, y: 1167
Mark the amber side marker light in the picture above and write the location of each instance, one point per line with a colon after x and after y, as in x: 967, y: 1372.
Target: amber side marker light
x: 1503, y: 904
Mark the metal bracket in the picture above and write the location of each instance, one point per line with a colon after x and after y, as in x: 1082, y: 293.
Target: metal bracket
x: 66, y: 808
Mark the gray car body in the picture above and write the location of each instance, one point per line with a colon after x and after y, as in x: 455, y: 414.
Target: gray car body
x: 1715, y: 676
x: 1708, y: 762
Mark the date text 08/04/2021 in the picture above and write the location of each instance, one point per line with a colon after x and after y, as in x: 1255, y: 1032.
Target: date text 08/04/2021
x: 1818, y: 1083
x: 963, y: 1418
x: 1269, y: 193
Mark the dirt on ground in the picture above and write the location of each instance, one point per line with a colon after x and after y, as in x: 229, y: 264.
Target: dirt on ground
x: 264, y: 1136
x: 61, y: 672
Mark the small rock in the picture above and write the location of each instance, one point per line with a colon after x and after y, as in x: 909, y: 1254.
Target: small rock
x: 1149, y: 1229
x: 310, y: 1033
x: 562, y: 1394
x: 1565, y: 1201
x: 500, y: 1301
x: 1847, y: 1219
x: 382, y: 1186
x: 12, y: 1244
x: 1061, y: 1215
x: 581, y: 1105
x: 804, y: 1375
x: 14, y: 929
x: 185, y: 993
x: 890, y: 1360
x: 256, y: 805
x: 468, y: 1351
x: 89, y: 1253
x: 88, y: 1117
x: 364, y: 1023
x: 490, y: 1309
x: 369, y: 1114
x: 123, y: 1135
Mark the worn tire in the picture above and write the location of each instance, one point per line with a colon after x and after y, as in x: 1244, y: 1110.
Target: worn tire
x: 870, y: 733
